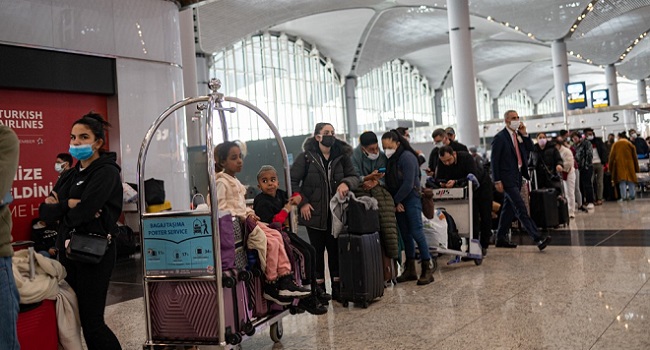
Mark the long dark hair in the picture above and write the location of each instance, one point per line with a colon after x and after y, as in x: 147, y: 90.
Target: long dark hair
x: 221, y: 154
x: 320, y: 126
x: 96, y: 123
x: 395, y: 136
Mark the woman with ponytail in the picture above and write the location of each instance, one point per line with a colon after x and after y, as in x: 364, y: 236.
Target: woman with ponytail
x: 403, y: 182
x: 88, y: 199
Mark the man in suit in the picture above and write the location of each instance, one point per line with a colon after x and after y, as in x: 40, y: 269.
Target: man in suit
x: 510, y: 149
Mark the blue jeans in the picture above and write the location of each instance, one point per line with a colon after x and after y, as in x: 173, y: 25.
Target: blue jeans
x: 514, y: 206
x: 410, y: 227
x: 9, y: 300
x: 624, y: 187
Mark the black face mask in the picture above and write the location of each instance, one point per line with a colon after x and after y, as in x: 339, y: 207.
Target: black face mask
x: 327, y: 140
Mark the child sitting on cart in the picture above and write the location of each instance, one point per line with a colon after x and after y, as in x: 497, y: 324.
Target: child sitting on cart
x: 273, y: 205
x: 280, y: 287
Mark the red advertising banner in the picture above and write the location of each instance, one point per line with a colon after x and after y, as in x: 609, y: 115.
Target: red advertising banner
x: 42, y: 120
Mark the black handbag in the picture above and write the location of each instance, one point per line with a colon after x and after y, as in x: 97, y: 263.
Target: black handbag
x: 154, y: 191
x: 86, y: 248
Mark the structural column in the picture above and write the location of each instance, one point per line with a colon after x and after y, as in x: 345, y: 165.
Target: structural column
x: 437, y: 98
x: 612, y: 84
x: 495, y: 108
x: 641, y: 91
x: 351, y: 106
x: 462, y: 65
x: 188, y: 53
x: 560, y: 71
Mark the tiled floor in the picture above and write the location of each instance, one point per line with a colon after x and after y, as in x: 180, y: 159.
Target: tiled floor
x: 589, y: 290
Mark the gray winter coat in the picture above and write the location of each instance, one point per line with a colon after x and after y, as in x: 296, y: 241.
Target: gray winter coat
x: 318, y: 185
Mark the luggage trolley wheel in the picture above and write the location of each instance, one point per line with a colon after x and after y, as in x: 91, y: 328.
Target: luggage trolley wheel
x: 345, y: 303
x: 233, y: 338
x: 276, y: 331
x: 434, y: 262
x: 478, y: 262
x: 248, y: 329
x: 245, y: 275
x: 228, y: 281
x: 364, y: 304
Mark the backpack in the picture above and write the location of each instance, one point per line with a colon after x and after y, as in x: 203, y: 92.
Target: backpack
x: 454, y: 242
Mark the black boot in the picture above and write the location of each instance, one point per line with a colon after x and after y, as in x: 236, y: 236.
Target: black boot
x: 409, y: 274
x: 312, y: 305
x: 336, y: 291
x: 320, y: 293
x: 426, y: 276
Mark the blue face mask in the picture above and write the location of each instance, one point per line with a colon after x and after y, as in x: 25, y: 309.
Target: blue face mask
x: 81, y: 152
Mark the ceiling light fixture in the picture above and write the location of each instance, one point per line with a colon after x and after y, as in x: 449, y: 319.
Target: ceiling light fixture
x: 583, y: 15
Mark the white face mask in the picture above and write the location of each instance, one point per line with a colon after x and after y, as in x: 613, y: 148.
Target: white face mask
x: 633, y: 135
x: 58, y: 167
x: 372, y: 156
x: 590, y: 137
x: 542, y: 142
x: 514, y: 125
x: 439, y: 144
x: 389, y: 152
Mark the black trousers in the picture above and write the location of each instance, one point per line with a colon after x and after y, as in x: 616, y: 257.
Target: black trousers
x: 483, y: 207
x: 587, y: 185
x: 309, y: 253
x: 323, y: 240
x: 90, y: 283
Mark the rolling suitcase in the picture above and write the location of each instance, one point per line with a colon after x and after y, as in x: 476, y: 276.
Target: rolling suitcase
x: 37, y: 323
x: 360, y: 268
x: 563, y: 210
x: 609, y: 190
x: 187, y: 310
x: 544, y: 207
x: 36, y: 326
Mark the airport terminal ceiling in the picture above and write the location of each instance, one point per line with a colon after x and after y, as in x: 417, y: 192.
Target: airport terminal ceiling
x: 511, y: 39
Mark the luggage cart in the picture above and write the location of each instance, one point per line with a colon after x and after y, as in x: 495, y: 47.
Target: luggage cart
x: 459, y: 203
x: 182, y: 276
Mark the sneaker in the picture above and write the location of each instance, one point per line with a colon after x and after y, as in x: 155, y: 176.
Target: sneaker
x: 288, y: 288
x: 322, y: 296
x: 590, y: 206
x: 271, y: 293
x: 312, y: 305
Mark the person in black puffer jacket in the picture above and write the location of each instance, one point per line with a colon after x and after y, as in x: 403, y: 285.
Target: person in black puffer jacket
x: 547, y: 162
x: 323, y: 169
x: 88, y: 199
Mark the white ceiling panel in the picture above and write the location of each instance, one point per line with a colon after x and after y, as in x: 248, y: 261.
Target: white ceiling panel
x: 605, y: 43
x: 547, y: 19
x: 398, y: 32
x: 334, y: 34
x: 506, y: 60
x: 221, y: 23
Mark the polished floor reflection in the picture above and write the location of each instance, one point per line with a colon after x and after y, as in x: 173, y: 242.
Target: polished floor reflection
x: 589, y: 290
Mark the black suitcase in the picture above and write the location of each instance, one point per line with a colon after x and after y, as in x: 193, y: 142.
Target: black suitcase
x: 360, y: 267
x: 563, y: 210
x: 544, y: 207
x: 609, y: 191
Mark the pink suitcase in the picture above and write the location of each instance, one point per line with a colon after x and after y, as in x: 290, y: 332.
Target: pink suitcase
x: 187, y: 311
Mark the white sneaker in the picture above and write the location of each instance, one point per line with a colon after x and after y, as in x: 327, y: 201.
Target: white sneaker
x: 590, y: 206
x: 572, y: 216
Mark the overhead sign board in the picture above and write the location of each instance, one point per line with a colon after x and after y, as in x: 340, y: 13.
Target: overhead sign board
x: 600, y: 98
x: 576, y: 95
